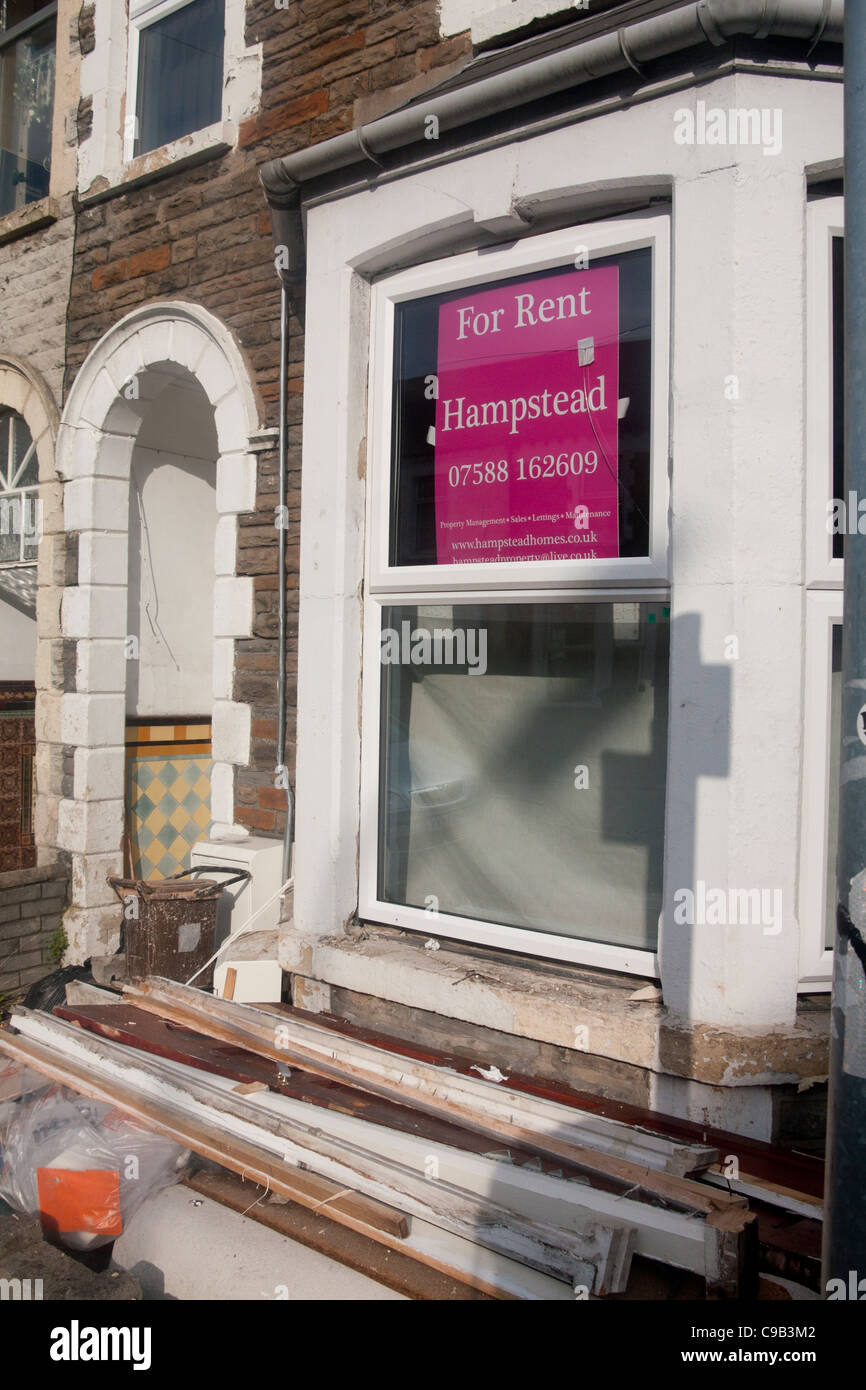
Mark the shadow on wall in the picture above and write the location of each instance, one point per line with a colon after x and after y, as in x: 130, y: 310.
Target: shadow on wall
x: 172, y: 525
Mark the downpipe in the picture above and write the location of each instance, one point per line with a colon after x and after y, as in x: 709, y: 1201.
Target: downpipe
x: 282, y: 771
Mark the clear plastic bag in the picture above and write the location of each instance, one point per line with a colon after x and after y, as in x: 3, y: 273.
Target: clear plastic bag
x: 84, y: 1167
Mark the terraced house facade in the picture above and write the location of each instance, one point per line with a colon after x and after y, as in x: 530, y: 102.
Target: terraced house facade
x: 439, y: 428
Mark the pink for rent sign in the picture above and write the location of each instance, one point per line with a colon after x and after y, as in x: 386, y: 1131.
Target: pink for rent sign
x: 526, y: 421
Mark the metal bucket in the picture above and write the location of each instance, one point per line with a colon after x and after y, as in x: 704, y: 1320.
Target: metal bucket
x: 173, y: 930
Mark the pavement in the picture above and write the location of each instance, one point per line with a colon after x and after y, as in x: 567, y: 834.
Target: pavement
x: 44, y: 1272
x: 182, y: 1245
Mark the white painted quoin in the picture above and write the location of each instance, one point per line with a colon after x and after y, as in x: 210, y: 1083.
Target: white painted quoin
x: 734, y: 467
x: 183, y: 356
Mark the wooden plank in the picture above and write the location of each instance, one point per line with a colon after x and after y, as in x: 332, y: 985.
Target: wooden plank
x: 798, y: 1171
x: 250, y: 1028
x: 586, y: 1249
x: 361, y: 1213
x: 396, y: 1270
x: 440, y: 1250
x: 140, y: 1029
x: 671, y: 1237
x: 752, y: 1187
x: 147, y: 1032
x: 731, y: 1254
x: 483, y: 1095
x: 667, y: 1236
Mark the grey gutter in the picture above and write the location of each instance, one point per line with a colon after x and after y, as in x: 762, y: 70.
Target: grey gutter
x: 628, y: 47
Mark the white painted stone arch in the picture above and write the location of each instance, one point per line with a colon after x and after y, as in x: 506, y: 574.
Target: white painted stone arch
x: 95, y: 443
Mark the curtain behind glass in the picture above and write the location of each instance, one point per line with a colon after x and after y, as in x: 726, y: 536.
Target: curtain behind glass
x: 479, y: 807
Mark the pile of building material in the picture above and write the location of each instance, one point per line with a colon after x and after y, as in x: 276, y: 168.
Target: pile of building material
x: 489, y: 1181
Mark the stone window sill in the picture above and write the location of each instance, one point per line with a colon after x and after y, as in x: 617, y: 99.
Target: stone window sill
x: 30, y: 218
x: 189, y: 150
x: 568, y: 1006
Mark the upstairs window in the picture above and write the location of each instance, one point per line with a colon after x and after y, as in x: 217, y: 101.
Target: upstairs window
x: 175, y: 69
x: 27, y: 32
x: 19, y: 493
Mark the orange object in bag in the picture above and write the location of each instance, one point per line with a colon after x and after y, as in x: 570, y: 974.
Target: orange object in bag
x: 85, y: 1200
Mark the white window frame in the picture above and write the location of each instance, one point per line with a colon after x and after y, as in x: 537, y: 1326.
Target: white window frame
x: 438, y: 277
x: 823, y: 611
x: 143, y: 13
x: 567, y: 581
x: 9, y: 495
x: 824, y: 221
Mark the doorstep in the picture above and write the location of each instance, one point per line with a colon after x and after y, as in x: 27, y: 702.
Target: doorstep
x: 580, y: 1010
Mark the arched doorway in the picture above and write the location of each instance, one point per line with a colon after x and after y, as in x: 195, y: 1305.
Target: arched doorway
x: 154, y: 450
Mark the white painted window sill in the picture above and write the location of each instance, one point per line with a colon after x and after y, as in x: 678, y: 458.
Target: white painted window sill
x: 497, y: 19
x: 189, y: 150
x: 505, y: 19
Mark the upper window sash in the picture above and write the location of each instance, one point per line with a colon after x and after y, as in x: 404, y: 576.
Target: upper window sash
x: 548, y: 251
x: 824, y: 222
x: 142, y: 13
x: 139, y: 8
x: 33, y: 21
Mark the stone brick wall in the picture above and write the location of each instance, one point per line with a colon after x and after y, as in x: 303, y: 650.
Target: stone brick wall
x: 34, y: 283
x: 35, y: 273
x: 36, y: 266
x: 203, y: 235
x: 31, y: 910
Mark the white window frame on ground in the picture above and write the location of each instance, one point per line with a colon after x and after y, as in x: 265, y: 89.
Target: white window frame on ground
x: 143, y: 13
x: 824, y: 221
x: 823, y: 611
x: 567, y: 581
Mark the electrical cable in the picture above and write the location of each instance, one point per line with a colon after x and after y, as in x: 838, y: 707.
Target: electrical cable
x: 846, y: 928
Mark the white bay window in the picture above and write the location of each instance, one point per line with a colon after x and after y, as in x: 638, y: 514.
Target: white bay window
x: 514, y: 742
